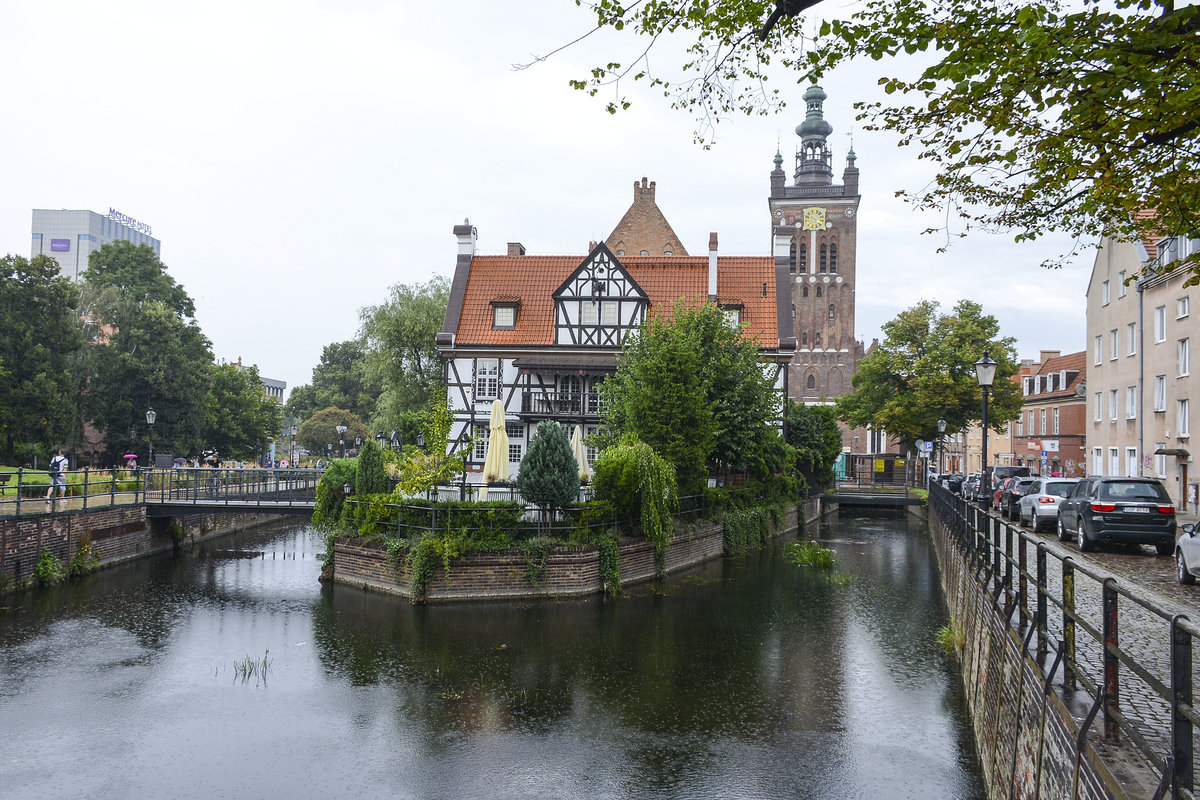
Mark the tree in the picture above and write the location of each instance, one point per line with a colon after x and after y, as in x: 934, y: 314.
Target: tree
x: 400, y: 335
x: 1040, y: 116
x: 693, y: 389
x: 925, y: 369
x: 813, y: 432
x: 150, y: 353
x: 318, y: 433
x: 549, y: 475
x: 239, y: 417
x: 370, y: 477
x: 39, y: 338
x: 641, y: 486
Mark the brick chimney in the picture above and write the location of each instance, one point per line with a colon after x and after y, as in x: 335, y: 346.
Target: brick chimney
x: 1046, y: 355
x: 516, y: 249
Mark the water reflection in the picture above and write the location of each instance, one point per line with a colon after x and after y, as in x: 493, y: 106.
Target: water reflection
x: 745, y: 678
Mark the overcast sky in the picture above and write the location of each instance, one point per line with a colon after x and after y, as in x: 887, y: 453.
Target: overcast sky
x: 297, y: 159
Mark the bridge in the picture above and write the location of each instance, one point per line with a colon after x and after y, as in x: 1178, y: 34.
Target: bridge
x: 878, y: 495
x: 168, y: 493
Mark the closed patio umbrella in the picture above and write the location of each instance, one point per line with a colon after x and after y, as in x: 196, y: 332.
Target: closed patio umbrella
x: 495, y: 461
x: 577, y: 447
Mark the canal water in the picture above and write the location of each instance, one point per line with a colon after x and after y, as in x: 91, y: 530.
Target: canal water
x: 746, y: 678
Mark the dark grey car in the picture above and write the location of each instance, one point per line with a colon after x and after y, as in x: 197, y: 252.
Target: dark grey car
x: 1118, y: 510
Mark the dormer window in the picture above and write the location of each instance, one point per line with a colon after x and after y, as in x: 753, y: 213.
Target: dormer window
x: 644, y: 253
x: 733, y: 314
x: 504, y: 313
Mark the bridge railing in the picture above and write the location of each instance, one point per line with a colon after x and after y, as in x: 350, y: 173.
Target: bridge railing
x: 23, y: 492
x: 221, y: 486
x: 1126, y: 648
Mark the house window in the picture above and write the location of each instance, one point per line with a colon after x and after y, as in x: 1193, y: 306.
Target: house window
x: 1114, y: 461
x: 643, y: 252
x: 1182, y: 308
x: 514, y: 452
x: 591, y: 313
x: 1031, y: 427
x: 504, y: 317
x: 1104, y: 294
x: 608, y: 312
x: 1097, y: 412
x: 1112, y: 405
x: 481, y: 442
x: 733, y: 317
x: 1160, y: 324
x: 1025, y: 386
x: 1131, y: 331
x: 833, y: 257
x: 1098, y: 461
x: 1098, y: 346
x: 1042, y: 419
x: 590, y: 449
x: 1160, y: 459
x: 1121, y: 283
x: 515, y: 430
x: 1020, y: 425
x: 1131, y: 402
x: 1184, y: 360
x: 1131, y: 462
x: 487, y: 378
x: 1112, y: 345
x: 1182, y: 419
x: 1056, y: 421
x: 1160, y: 392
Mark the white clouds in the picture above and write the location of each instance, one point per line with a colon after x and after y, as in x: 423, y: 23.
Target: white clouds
x: 297, y: 159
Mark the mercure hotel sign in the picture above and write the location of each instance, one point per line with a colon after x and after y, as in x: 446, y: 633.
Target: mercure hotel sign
x: 130, y: 221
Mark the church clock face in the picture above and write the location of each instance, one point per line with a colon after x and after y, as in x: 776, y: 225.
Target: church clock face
x: 814, y: 219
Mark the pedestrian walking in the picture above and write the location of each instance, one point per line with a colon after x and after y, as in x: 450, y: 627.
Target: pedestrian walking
x: 58, y: 478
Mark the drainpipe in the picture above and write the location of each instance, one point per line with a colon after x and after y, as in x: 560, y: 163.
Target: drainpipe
x: 1141, y: 357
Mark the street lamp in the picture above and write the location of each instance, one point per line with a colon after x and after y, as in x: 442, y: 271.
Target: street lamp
x: 985, y: 372
x: 292, y: 431
x: 941, y: 444
x: 341, y: 432
x: 380, y: 439
x: 150, y: 416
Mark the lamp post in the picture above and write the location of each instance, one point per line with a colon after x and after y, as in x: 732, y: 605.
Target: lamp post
x: 985, y: 372
x: 292, y: 431
x: 341, y: 432
x: 941, y: 444
x: 150, y: 417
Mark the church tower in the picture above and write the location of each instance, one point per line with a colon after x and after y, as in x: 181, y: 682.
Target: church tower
x: 814, y: 235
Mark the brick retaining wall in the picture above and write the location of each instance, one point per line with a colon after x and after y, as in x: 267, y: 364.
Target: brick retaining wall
x: 1026, y: 738
x: 570, y: 571
x: 117, y: 534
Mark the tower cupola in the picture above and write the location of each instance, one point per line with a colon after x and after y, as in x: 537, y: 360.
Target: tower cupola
x: 814, y: 161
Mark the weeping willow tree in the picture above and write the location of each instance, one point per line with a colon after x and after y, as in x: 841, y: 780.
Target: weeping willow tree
x: 641, y: 485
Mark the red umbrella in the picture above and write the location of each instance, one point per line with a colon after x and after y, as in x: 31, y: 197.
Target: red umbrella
x: 129, y: 455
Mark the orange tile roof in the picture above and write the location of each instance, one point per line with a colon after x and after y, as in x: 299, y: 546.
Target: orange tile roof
x: 665, y: 279
x: 1072, y: 362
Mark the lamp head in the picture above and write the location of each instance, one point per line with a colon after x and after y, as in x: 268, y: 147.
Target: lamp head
x: 941, y: 426
x: 150, y: 416
x: 985, y: 371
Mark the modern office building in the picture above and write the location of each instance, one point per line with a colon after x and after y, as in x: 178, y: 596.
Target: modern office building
x: 70, y: 236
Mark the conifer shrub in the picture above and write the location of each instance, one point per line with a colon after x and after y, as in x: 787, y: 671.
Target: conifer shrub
x: 549, y: 476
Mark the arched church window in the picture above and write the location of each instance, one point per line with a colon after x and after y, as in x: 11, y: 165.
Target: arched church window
x: 820, y: 289
x: 802, y: 262
x: 817, y: 339
x: 804, y: 338
x: 792, y: 259
x: 793, y: 312
x: 824, y: 257
x: 831, y: 310
x: 804, y: 292
x: 833, y: 257
x: 812, y: 382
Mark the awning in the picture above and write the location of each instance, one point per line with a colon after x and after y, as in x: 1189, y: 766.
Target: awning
x: 589, y: 363
x: 1178, y: 452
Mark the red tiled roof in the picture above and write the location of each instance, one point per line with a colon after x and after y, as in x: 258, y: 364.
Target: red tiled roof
x: 1150, y: 242
x: 665, y: 279
x: 1072, y: 362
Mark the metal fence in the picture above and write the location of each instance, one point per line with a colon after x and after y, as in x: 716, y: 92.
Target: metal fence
x: 24, y: 492
x: 1124, y: 648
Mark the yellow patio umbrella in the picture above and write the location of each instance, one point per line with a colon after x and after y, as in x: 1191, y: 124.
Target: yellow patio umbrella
x: 577, y: 447
x: 495, y: 461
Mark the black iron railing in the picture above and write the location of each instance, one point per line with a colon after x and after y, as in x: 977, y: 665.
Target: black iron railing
x: 1127, y: 648
x: 553, y: 404
x: 207, y: 486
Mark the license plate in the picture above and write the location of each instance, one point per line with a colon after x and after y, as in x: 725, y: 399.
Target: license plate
x: 1136, y: 510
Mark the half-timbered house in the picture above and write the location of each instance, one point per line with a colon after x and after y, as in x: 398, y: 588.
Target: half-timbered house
x: 540, y: 333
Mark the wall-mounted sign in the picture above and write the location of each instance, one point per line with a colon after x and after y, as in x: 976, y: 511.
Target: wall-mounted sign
x: 127, y: 220
x: 1050, y: 445
x: 60, y: 245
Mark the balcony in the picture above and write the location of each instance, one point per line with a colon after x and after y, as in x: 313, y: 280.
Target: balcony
x: 560, y: 404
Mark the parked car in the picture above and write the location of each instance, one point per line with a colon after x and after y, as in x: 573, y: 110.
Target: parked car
x: 1187, y: 555
x: 1012, y: 494
x: 953, y: 482
x: 998, y: 492
x: 971, y: 486
x: 1038, y: 507
x: 996, y: 476
x: 1118, y: 510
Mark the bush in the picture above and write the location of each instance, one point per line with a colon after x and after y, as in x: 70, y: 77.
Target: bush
x: 50, y: 570
x: 549, y: 475
x: 370, y: 478
x: 327, y: 511
x: 636, y: 480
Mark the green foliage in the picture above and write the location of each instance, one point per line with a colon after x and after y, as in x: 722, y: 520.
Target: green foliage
x: 925, y: 369
x: 1040, y: 116
x: 421, y: 470
x: 84, y: 561
x: 951, y: 637
x: 811, y: 554
x: 639, y: 484
x: 693, y: 389
x: 331, y: 496
x: 49, y: 570
x: 239, y: 418
x: 536, y: 552
x: 424, y: 556
x: 813, y: 432
x: 610, y: 568
x: 401, y: 354
x: 549, y: 475
x: 39, y: 385
x: 318, y: 434
x: 746, y: 529
x: 370, y: 478
x: 340, y: 380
